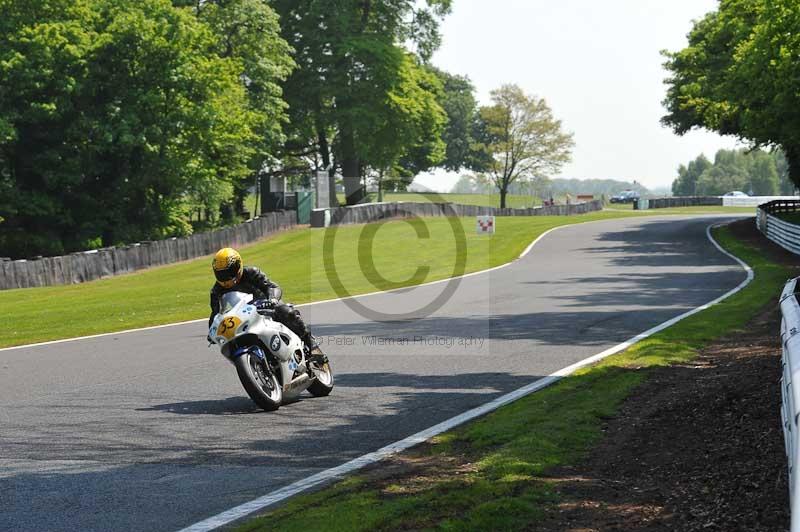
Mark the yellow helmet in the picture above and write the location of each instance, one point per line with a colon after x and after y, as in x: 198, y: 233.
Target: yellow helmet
x: 227, y: 266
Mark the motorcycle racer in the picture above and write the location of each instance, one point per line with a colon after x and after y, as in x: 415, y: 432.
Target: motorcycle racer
x: 232, y: 276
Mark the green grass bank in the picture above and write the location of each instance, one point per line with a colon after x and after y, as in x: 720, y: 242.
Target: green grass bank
x: 294, y: 259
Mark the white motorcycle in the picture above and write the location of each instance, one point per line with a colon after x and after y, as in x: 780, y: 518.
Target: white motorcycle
x: 272, y: 362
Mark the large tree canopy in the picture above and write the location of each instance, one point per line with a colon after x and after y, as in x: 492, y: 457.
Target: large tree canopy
x: 457, y: 98
x: 351, y: 77
x: 124, y: 120
x: 409, y: 125
x: 739, y: 76
x: 114, y: 115
x: 249, y: 31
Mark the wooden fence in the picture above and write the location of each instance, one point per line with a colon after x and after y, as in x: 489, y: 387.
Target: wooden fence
x: 372, y: 212
x: 106, y: 262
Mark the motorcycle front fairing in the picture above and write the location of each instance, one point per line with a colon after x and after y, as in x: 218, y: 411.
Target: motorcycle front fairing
x: 235, y: 318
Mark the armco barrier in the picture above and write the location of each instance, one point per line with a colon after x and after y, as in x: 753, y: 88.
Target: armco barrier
x: 783, y: 233
x: 684, y: 201
x: 725, y: 201
x: 790, y: 392
x: 89, y: 265
x: 373, y: 212
x: 753, y: 201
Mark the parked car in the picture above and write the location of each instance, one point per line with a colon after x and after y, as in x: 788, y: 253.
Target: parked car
x: 737, y: 194
x: 626, y: 196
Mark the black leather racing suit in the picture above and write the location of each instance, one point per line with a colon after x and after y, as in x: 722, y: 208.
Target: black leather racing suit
x: 255, y: 282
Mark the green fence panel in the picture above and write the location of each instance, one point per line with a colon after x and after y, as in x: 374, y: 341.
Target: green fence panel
x: 305, y: 202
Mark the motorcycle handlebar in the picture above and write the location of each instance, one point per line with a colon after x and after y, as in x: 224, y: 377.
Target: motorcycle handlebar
x: 264, y: 304
x: 265, y: 307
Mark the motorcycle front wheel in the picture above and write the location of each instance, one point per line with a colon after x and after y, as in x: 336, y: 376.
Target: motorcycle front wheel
x: 259, y: 381
x: 323, y: 382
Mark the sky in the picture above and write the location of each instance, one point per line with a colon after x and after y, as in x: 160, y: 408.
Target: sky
x: 596, y: 63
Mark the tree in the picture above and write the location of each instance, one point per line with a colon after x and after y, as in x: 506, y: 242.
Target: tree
x: 406, y: 132
x: 752, y: 171
x: 457, y: 98
x: 249, y: 31
x: 522, y: 137
x: 785, y: 185
x: 114, y: 115
x: 686, y: 184
x: 42, y: 46
x: 540, y: 186
x: 739, y: 76
x: 764, y: 180
x: 350, y: 64
x: 721, y: 179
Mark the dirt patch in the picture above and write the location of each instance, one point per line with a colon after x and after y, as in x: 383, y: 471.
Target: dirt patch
x: 414, y: 471
x: 746, y: 231
x: 697, y: 446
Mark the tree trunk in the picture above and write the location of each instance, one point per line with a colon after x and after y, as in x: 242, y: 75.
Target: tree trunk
x: 107, y: 237
x: 503, y: 193
x: 332, y: 187
x: 351, y: 168
x: 239, y: 195
x: 793, y: 158
x: 352, y: 181
x: 325, y: 154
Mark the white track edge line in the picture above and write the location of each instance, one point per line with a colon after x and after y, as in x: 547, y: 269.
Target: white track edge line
x: 322, y: 477
x: 379, y: 292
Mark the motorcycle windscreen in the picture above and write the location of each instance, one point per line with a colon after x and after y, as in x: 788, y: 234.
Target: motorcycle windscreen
x: 230, y: 300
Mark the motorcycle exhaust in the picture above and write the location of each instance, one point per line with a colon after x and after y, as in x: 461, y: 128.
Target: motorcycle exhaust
x: 297, y: 383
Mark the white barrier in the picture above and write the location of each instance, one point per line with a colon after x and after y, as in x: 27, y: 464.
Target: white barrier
x: 783, y: 233
x: 790, y: 393
x: 752, y: 201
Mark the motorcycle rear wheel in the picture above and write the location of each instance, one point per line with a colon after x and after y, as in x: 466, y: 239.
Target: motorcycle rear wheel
x: 259, y: 381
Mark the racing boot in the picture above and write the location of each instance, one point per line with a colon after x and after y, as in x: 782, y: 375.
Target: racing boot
x: 315, y: 354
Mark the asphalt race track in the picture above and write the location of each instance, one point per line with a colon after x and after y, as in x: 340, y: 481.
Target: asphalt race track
x: 152, y: 431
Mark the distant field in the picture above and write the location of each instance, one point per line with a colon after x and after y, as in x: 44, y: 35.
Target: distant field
x: 486, y: 200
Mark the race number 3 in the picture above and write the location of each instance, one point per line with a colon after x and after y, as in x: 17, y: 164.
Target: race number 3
x: 228, y: 326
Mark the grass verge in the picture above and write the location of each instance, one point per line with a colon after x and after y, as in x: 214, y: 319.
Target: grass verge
x: 487, y: 475
x: 294, y: 259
